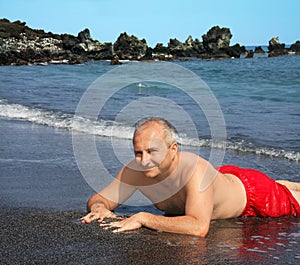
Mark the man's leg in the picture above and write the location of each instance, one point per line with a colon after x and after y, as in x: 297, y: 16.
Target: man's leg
x: 294, y: 188
x: 290, y: 185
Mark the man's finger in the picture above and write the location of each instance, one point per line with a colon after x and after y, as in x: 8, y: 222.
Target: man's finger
x: 109, y: 224
x: 85, y: 220
x: 119, y: 230
x: 89, y: 218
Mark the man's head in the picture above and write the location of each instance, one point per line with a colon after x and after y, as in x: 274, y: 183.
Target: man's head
x: 167, y: 128
x: 155, y: 146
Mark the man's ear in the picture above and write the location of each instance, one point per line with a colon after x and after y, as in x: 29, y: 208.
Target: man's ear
x: 174, y: 146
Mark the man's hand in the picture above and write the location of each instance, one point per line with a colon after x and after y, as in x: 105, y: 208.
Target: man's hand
x: 98, y: 212
x: 131, y: 223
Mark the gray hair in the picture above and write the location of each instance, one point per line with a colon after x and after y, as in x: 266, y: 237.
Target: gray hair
x: 168, y: 129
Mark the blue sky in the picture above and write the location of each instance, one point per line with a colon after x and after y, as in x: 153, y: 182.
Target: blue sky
x: 252, y: 22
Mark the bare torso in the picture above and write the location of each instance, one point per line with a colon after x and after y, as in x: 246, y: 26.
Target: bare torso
x: 174, y: 205
x: 229, y: 199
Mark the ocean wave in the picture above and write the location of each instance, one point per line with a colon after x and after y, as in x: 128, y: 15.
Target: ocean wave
x: 65, y: 121
x: 240, y: 146
x: 105, y: 128
x: 35, y: 115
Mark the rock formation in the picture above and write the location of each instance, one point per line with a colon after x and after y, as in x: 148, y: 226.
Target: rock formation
x: 259, y: 49
x: 130, y: 47
x: 20, y: 44
x: 295, y: 47
x: 215, y: 44
x: 276, y: 48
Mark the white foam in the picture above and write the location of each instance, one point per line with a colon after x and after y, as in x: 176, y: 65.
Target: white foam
x: 70, y: 122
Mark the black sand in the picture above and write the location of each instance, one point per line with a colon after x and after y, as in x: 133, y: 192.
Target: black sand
x: 33, y: 236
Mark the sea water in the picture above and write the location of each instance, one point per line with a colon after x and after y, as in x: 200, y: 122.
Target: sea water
x: 258, y: 97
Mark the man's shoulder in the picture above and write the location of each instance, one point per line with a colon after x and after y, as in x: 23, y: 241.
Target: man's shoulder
x: 190, y: 165
x: 189, y: 157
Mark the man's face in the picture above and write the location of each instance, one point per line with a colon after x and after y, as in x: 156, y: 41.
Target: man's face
x: 152, y: 154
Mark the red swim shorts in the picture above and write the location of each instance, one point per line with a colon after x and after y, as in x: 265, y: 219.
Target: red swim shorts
x: 265, y: 197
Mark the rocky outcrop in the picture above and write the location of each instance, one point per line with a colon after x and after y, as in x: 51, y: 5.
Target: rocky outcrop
x: 215, y: 44
x: 250, y: 54
x: 259, y: 49
x: 216, y: 39
x: 23, y: 50
x: 130, y: 47
x: 275, y: 45
x: 295, y: 47
x: 20, y: 44
x: 276, y: 48
x: 234, y: 51
x: 190, y: 48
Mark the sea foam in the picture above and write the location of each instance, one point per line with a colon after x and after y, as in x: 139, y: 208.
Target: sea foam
x: 106, y: 128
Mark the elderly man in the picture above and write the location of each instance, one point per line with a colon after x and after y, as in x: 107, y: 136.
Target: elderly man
x: 187, y: 188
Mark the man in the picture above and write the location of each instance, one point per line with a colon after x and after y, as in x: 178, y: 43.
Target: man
x: 187, y: 188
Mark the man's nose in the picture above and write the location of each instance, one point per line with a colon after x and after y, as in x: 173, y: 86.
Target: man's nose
x: 145, y: 159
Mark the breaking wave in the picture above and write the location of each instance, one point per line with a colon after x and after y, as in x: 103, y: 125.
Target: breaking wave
x: 105, y: 128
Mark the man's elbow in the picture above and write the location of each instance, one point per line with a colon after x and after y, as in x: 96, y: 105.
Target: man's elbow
x: 200, y: 233
x: 200, y: 230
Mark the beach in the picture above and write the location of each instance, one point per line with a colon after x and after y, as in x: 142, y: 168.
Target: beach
x: 43, y: 192
x: 43, y: 197
x: 33, y: 236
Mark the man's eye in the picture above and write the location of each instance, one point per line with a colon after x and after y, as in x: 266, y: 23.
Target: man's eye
x: 153, y: 151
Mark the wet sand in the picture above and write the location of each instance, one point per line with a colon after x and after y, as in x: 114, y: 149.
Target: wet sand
x: 33, y: 236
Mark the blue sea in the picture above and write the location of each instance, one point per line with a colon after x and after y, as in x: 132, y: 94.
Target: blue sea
x: 44, y: 132
x: 259, y: 100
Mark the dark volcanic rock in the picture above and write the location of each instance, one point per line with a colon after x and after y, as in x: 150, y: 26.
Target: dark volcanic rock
x: 84, y: 35
x: 216, y: 38
x: 17, y: 29
x: 105, y: 52
x: 160, y: 48
x: 276, y: 48
x: 21, y: 45
x: 68, y: 41
x: 259, y: 49
x: 190, y: 48
x: 130, y: 47
x: 275, y: 45
x: 235, y: 50
x: 250, y: 54
x: 215, y: 45
x: 295, y: 47
x: 177, y: 48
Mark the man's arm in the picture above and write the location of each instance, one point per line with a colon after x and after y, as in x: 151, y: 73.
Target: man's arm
x: 99, y: 208
x: 188, y: 225
x: 198, y: 211
x: 101, y: 205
